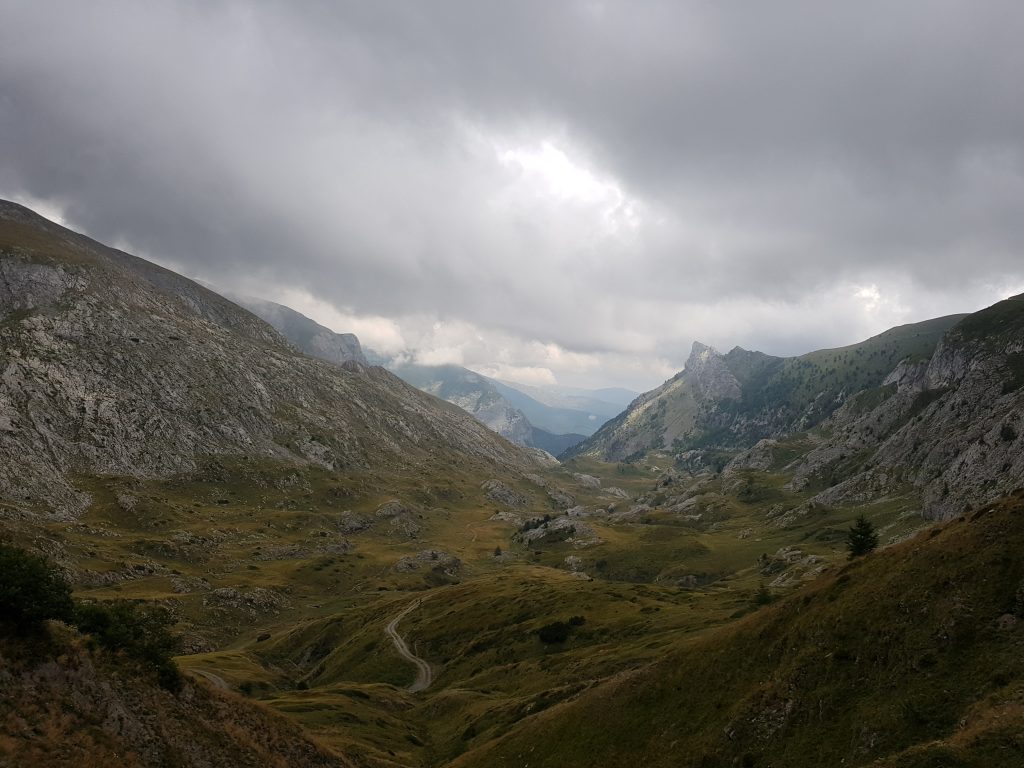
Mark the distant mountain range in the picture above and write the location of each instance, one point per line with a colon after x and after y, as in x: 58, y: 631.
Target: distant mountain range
x: 507, y: 411
x: 504, y: 408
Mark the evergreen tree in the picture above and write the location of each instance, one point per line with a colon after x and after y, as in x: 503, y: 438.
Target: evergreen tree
x: 862, y: 538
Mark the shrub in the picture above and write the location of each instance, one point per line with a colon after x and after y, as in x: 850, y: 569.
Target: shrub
x: 31, y: 591
x: 139, y: 631
x: 763, y: 596
x: 1008, y: 433
x: 555, y: 632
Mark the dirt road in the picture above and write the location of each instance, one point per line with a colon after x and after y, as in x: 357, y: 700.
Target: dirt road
x: 424, y: 675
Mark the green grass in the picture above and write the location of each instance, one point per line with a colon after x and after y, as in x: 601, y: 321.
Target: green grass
x: 650, y: 586
x: 899, y: 656
x: 993, y: 325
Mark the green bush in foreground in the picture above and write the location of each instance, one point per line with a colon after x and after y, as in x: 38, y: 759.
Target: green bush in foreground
x: 31, y: 591
x: 140, y: 631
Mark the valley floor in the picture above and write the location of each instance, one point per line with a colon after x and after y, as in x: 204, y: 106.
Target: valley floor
x: 441, y: 622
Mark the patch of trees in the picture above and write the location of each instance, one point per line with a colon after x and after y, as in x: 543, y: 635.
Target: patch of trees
x: 33, y: 592
x: 536, y: 522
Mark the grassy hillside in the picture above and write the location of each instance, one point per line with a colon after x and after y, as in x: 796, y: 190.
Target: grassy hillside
x: 913, y: 656
x: 66, y: 704
x: 796, y: 383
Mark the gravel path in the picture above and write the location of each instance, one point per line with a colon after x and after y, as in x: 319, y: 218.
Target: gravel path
x: 424, y: 675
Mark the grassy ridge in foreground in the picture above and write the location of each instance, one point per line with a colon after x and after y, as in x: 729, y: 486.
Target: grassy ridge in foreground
x: 913, y: 656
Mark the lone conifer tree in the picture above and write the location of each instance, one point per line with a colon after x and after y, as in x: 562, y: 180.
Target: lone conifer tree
x: 862, y: 538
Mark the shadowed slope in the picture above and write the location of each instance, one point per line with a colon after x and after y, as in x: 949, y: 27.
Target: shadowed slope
x: 914, y: 654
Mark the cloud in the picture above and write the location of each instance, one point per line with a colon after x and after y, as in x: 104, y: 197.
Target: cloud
x: 589, y: 177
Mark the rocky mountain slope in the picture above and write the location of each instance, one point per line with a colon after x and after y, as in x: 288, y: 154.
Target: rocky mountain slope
x: 950, y: 427
x: 933, y: 410
x: 308, y: 335
x: 735, y: 399
x: 492, y: 403
x: 474, y: 394
x: 113, y: 365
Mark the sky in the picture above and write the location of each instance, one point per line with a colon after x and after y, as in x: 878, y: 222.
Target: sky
x: 545, y: 191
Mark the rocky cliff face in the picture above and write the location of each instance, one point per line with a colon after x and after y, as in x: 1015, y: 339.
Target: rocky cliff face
x: 112, y: 365
x: 949, y: 428
x: 941, y: 422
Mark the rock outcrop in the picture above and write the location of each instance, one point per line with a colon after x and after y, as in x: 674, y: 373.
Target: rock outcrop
x: 949, y: 428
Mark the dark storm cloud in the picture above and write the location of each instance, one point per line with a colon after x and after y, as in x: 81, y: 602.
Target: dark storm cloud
x: 574, y: 185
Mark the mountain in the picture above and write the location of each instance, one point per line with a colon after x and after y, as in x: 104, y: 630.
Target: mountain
x: 113, y: 365
x: 553, y: 444
x: 473, y: 393
x: 948, y: 427
x: 932, y: 409
x: 308, y: 335
x: 735, y: 399
x: 504, y: 410
x: 557, y: 419
x: 601, y: 404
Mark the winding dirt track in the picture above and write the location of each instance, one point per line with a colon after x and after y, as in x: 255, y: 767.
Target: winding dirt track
x: 424, y: 675
x: 217, y: 680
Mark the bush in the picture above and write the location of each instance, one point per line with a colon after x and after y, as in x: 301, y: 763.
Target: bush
x: 555, y: 632
x: 139, y: 631
x: 31, y: 591
x: 1008, y: 433
x: 763, y: 596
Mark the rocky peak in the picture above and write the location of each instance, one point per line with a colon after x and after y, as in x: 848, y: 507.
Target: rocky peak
x: 700, y: 355
x: 707, y: 370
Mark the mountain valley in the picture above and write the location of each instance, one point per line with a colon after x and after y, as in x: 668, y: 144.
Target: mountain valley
x: 673, y: 590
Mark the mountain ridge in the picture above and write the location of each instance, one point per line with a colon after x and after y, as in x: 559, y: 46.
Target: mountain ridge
x: 116, y: 365
x: 737, y: 398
